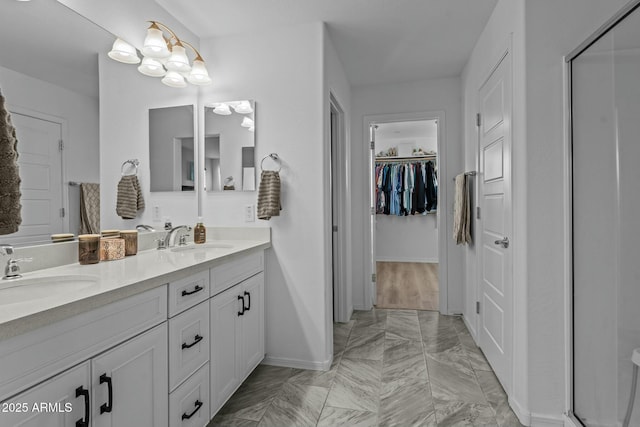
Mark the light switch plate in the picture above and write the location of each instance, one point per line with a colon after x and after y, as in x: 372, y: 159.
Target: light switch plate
x: 157, y: 214
x: 249, y: 215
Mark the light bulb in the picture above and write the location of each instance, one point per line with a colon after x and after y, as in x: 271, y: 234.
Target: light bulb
x: 244, y: 107
x: 174, y: 79
x: 199, y: 74
x: 122, y: 51
x: 178, y: 60
x: 246, y: 122
x: 155, y: 46
x: 222, y: 109
x: 151, y: 67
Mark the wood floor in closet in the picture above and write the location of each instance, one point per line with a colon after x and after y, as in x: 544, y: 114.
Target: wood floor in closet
x: 409, y: 285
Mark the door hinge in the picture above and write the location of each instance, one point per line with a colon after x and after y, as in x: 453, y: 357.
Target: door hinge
x: 373, y: 277
x: 335, y: 228
x: 477, y: 307
x: 478, y: 119
x: 62, y: 212
x: 372, y: 145
x: 60, y: 145
x: 477, y: 212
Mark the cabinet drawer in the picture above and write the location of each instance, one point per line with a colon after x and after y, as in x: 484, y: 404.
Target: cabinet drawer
x: 188, y: 292
x: 189, y: 403
x: 233, y: 272
x: 29, y: 358
x: 188, y: 343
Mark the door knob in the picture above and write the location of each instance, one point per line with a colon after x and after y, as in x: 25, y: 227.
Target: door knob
x: 504, y: 242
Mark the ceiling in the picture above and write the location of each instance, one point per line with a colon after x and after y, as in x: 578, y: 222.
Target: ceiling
x: 378, y: 41
x: 41, y: 39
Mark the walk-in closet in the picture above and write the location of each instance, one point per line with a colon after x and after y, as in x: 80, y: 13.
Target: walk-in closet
x: 405, y: 189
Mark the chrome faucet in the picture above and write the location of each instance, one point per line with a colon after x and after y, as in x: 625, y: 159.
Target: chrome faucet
x: 170, y: 238
x: 12, y: 269
x: 145, y: 227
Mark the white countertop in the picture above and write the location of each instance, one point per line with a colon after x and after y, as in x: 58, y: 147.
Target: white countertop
x: 114, y: 280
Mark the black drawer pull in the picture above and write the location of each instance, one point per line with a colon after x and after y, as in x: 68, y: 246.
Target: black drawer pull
x: 106, y: 407
x: 198, y: 338
x: 248, y: 295
x: 81, y: 391
x: 241, y: 298
x: 197, y: 289
x: 198, y: 406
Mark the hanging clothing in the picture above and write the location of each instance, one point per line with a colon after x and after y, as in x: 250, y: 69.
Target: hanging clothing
x: 405, y: 188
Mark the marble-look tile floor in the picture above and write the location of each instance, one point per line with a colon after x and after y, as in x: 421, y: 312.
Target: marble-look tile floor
x: 390, y: 368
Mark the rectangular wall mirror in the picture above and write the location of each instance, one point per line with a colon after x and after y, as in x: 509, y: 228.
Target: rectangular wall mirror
x: 229, y: 143
x: 171, y: 148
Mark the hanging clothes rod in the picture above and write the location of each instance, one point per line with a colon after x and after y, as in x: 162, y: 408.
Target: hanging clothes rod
x: 404, y: 159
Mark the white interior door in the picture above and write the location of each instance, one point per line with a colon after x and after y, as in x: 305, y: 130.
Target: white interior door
x: 495, y: 225
x: 40, y: 161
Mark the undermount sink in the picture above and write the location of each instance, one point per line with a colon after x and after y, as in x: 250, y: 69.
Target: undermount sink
x: 194, y: 247
x: 29, y: 289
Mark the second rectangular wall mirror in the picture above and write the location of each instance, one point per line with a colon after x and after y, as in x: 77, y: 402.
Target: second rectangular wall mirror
x: 229, y: 143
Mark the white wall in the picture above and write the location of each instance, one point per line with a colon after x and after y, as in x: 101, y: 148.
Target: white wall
x: 282, y: 70
x: 422, y: 96
x: 125, y: 99
x: 504, y: 30
x: 81, y: 155
x: 554, y: 28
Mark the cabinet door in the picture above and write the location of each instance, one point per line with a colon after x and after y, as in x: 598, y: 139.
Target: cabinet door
x: 226, y: 364
x: 130, y: 382
x: 253, y: 324
x: 47, y: 404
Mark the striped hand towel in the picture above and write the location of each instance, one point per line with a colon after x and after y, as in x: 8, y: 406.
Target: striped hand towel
x: 129, y: 200
x: 462, y: 211
x: 269, y: 195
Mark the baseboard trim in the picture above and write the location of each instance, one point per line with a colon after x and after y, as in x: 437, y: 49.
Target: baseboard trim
x: 546, y: 420
x: 298, y: 364
x: 429, y: 260
x: 523, y: 415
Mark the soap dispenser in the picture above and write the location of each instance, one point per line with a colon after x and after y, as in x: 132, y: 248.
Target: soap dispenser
x: 199, y: 232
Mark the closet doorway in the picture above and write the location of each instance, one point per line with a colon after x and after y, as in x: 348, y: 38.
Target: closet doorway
x: 405, y: 238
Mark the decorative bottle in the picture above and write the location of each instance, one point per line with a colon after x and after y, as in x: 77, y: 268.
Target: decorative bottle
x: 199, y: 232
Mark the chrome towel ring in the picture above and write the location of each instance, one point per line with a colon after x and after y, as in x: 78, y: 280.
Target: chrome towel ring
x: 134, y: 163
x: 275, y: 158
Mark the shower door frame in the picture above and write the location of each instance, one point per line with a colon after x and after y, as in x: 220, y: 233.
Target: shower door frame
x: 629, y: 8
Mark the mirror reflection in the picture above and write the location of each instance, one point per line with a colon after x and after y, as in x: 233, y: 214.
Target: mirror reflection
x: 52, y: 96
x: 229, y: 143
x: 171, y: 148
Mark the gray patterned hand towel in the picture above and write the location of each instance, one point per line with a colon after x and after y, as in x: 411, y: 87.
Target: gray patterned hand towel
x: 129, y: 200
x: 10, y: 208
x: 89, y: 208
x: 269, y: 195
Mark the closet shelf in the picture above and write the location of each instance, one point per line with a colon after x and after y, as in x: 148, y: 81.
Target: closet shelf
x: 403, y: 159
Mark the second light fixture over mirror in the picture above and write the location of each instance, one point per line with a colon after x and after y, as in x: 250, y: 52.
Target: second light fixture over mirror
x: 164, y: 55
x: 229, y: 144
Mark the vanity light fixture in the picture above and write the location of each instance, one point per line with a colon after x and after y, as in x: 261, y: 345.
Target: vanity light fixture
x: 243, y: 107
x: 246, y: 122
x: 164, y: 57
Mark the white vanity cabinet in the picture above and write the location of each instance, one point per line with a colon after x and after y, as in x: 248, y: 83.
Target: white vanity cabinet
x: 67, y: 393
x: 237, y: 335
x: 130, y: 382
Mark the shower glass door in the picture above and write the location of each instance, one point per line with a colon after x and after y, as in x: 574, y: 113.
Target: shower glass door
x: 605, y: 107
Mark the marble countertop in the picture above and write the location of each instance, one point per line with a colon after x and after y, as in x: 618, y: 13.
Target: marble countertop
x: 111, y: 281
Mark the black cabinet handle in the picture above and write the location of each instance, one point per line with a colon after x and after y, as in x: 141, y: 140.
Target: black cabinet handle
x: 198, y: 406
x: 197, y: 339
x: 248, y: 295
x: 240, y: 297
x: 81, y: 391
x: 195, y: 290
x: 106, y: 407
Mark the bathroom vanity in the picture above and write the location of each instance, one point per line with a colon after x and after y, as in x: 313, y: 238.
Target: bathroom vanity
x: 158, y: 339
